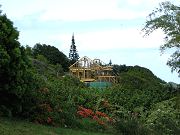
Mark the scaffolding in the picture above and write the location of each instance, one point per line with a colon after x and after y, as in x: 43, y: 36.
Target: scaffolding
x: 88, y: 70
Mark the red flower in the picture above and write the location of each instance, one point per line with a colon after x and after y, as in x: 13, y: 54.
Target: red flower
x: 85, y: 113
x: 49, y: 109
x: 49, y: 120
x: 95, y: 117
x: 89, y: 112
x: 101, y: 122
x: 101, y: 114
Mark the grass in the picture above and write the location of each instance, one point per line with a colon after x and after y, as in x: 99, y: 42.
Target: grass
x: 18, y: 127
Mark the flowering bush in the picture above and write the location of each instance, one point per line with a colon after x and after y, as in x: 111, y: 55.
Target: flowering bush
x: 44, y: 114
x: 100, y: 117
x: 54, y: 103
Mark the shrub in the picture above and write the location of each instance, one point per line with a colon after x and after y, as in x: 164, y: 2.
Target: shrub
x: 87, y: 116
x: 54, y: 102
x: 131, y: 127
x: 164, y: 117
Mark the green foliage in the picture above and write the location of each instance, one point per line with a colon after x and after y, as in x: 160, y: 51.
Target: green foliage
x: 29, y: 99
x: 132, y: 101
x: 137, y: 71
x: 138, y: 87
x: 90, y: 125
x: 73, y: 54
x: 13, y: 68
x: 167, y: 18
x: 164, y: 117
x: 55, y: 103
x: 29, y: 51
x: 46, y: 70
x: 52, y: 54
x: 120, y: 68
x: 131, y: 127
x: 42, y: 58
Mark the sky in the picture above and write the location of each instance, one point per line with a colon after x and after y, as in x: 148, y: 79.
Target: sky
x: 104, y: 29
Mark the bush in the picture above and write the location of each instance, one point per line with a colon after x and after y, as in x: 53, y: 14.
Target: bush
x: 54, y: 102
x: 131, y: 127
x: 164, y: 117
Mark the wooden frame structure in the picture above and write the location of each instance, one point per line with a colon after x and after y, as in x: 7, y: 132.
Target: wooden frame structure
x: 88, y: 70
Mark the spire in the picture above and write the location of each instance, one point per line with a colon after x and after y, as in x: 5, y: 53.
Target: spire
x: 73, y: 55
x: 73, y: 41
x: 73, y: 35
x: 110, y: 63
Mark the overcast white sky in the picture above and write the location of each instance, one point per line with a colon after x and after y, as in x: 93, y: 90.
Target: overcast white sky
x: 105, y: 29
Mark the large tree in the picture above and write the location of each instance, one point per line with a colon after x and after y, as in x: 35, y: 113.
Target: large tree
x: 52, y: 54
x: 73, y: 54
x: 13, y: 68
x: 167, y: 18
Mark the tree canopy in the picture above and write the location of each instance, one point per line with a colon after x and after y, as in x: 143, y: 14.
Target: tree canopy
x: 167, y: 18
x: 13, y: 67
x: 73, y: 54
x: 12, y: 57
x: 52, y: 54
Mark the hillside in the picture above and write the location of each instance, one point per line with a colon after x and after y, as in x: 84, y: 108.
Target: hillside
x: 142, y: 72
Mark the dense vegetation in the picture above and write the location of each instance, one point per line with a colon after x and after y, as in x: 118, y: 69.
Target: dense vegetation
x: 52, y: 54
x: 34, y: 86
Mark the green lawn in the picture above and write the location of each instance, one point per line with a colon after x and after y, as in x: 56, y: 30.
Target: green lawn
x: 16, y: 127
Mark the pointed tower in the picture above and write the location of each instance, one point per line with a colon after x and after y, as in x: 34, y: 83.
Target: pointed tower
x: 110, y: 63
x: 73, y: 55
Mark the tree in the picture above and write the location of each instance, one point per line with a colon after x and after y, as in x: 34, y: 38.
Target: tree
x: 52, y: 54
x: 110, y: 62
x: 29, y: 51
x: 73, y: 55
x: 167, y: 18
x: 13, y: 68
